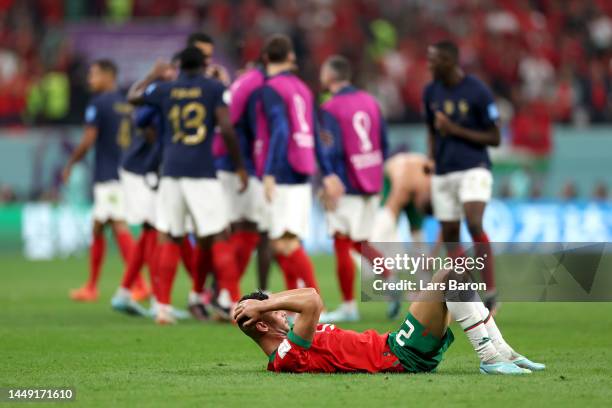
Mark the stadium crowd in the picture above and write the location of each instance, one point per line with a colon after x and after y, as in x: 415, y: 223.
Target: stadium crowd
x: 546, y: 60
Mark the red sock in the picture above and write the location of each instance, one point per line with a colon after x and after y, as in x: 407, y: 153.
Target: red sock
x: 169, y: 256
x: 370, y: 253
x: 96, y: 256
x: 226, y: 270
x: 455, y: 250
x: 135, y: 261
x: 288, y: 271
x: 125, y: 243
x: 202, y: 265
x: 483, y: 249
x: 245, y: 243
x: 187, y: 256
x: 304, y: 270
x: 344, y: 266
x: 154, y: 271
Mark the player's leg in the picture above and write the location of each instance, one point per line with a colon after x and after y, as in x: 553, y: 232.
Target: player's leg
x: 245, y: 238
x: 128, y: 293
x: 348, y: 208
x: 264, y: 260
x: 501, y: 345
x: 97, y: 249
x: 211, y: 222
x: 170, y: 215
x: 385, y: 220
x: 447, y: 209
x: 416, y: 218
x: 289, y: 223
x: 246, y: 219
x: 474, y: 192
x: 424, y: 336
x: 465, y: 308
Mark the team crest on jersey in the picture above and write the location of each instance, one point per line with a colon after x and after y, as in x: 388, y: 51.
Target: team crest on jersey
x: 283, y: 349
x: 449, y: 107
x: 464, y: 107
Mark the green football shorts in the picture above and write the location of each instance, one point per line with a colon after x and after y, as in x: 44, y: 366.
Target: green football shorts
x: 415, y: 217
x: 417, y: 350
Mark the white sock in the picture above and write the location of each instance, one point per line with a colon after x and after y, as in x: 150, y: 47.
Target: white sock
x: 224, y: 300
x: 350, y: 306
x: 468, y: 317
x: 123, y: 293
x: 194, y: 298
x: 494, y: 333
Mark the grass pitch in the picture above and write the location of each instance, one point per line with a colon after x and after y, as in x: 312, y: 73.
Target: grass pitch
x: 114, y: 360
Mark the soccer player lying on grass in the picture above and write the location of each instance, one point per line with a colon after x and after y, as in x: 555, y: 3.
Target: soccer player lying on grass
x: 418, y: 346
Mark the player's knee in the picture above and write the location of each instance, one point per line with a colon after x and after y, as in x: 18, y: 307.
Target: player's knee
x: 285, y: 245
x: 450, y: 231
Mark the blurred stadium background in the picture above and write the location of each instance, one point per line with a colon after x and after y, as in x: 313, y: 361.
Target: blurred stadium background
x: 548, y: 61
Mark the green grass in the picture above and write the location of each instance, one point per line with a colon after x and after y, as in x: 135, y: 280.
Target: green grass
x: 114, y: 360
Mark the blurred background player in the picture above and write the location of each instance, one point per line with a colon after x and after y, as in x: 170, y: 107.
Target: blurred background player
x: 287, y: 160
x: 351, y: 118
x: 461, y: 117
x: 139, y: 176
x: 206, y: 45
x: 108, y: 127
x: 407, y: 188
x: 247, y: 210
x: 193, y: 106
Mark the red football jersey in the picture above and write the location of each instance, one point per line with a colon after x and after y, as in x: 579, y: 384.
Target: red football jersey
x: 335, y: 350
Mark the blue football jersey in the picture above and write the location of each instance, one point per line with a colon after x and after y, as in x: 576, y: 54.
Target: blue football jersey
x: 470, y: 104
x: 110, y: 114
x: 188, y: 106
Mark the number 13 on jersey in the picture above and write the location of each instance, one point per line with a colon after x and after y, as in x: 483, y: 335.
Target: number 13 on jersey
x: 188, y: 123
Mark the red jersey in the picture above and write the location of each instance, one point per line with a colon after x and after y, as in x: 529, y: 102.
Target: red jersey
x: 335, y: 350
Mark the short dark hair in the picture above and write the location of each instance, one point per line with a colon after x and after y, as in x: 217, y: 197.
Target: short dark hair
x: 107, y: 65
x: 341, y: 67
x: 191, y: 58
x: 449, y: 48
x: 258, y: 295
x: 199, y: 37
x: 277, y: 48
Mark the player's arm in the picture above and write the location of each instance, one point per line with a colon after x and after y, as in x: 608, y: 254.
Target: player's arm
x: 231, y: 143
x: 326, y: 148
x: 429, y: 121
x: 278, y: 123
x: 306, y: 302
x: 136, y: 93
x: 489, y: 137
x: 90, y: 134
x: 145, y: 118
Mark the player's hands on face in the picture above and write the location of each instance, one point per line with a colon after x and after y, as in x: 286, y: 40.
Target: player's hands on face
x: 244, y: 180
x: 443, y: 123
x: 250, y: 308
x: 219, y: 72
x: 269, y: 187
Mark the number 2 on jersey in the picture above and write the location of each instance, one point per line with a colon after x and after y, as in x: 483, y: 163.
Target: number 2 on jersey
x: 402, y: 335
x: 188, y: 123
